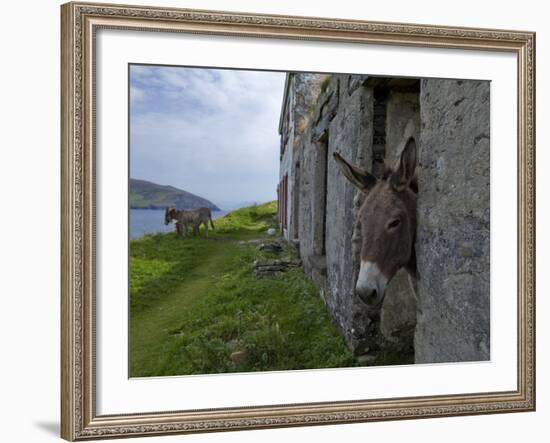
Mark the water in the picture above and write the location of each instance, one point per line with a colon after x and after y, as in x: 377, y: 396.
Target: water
x: 145, y: 221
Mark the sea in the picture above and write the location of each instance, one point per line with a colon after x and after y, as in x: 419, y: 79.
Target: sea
x: 150, y: 221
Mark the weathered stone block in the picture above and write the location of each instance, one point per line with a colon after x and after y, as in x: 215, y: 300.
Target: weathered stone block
x: 453, y: 241
x: 350, y: 134
x: 398, y: 316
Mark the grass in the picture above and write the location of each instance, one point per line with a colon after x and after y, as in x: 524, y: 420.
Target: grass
x: 195, y: 303
x: 138, y: 200
x: 251, y: 220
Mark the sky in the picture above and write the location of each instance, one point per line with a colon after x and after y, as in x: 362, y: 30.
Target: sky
x: 211, y: 132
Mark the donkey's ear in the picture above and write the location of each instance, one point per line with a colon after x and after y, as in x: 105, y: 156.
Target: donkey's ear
x: 404, y: 174
x: 359, y: 177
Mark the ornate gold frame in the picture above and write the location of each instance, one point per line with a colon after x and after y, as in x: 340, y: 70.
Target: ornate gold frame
x: 79, y: 22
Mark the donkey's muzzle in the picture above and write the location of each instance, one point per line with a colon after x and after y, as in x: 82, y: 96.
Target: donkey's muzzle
x: 367, y: 295
x: 371, y: 285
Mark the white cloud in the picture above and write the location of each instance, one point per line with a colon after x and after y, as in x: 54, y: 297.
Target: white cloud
x: 211, y: 132
x: 136, y: 94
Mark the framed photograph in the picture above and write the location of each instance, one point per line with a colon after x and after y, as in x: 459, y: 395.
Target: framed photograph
x: 283, y: 221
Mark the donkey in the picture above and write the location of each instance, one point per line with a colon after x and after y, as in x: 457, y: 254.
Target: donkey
x: 388, y: 224
x: 193, y: 218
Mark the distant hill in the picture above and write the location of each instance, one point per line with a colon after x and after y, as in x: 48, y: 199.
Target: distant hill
x: 148, y: 195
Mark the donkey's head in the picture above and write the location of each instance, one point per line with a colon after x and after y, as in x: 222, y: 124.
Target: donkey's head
x: 388, y: 223
x: 170, y: 215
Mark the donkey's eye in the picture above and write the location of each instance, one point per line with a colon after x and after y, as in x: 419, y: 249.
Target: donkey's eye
x: 394, y: 224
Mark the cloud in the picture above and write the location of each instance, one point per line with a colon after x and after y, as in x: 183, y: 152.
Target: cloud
x: 136, y: 94
x: 211, y: 132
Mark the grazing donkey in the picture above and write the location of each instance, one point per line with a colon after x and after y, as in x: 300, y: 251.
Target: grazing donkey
x: 388, y: 224
x: 193, y: 218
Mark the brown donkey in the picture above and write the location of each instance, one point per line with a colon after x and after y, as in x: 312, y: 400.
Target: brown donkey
x: 388, y: 224
x: 185, y: 218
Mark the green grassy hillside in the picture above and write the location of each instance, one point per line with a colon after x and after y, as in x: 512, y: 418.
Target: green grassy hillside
x: 148, y: 195
x: 195, y: 304
x: 253, y: 219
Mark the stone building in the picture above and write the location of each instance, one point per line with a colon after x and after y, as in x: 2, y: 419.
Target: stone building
x: 366, y: 119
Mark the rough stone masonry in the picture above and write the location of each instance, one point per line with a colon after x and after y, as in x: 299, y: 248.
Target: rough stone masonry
x: 365, y: 119
x: 453, y: 243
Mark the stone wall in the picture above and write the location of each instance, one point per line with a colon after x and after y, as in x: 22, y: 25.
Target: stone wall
x: 453, y: 241
x: 302, y: 93
x: 328, y: 236
x: 350, y: 134
x: 367, y: 120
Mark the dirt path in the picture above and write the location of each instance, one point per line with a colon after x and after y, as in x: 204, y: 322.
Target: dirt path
x: 158, y: 323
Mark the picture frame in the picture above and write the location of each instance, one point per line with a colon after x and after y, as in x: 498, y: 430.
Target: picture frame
x: 80, y: 24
